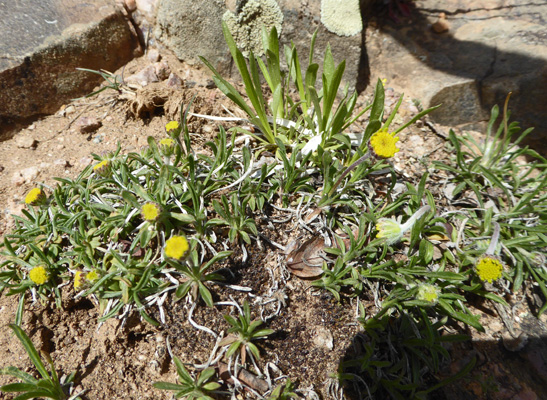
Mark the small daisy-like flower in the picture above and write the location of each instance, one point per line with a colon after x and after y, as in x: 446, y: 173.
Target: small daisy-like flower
x: 429, y: 293
x: 92, y: 276
x: 489, y: 268
x: 35, y: 197
x: 102, y: 168
x: 150, y: 212
x: 172, y: 126
x: 167, y: 146
x: 81, y: 279
x: 383, y: 143
x: 78, y: 279
x: 38, y: 275
x: 389, y: 229
x: 176, y: 247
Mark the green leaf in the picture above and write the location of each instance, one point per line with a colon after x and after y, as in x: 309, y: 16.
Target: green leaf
x: 18, y: 387
x: 16, y: 372
x: 167, y: 386
x: 31, y: 350
x: 377, y: 110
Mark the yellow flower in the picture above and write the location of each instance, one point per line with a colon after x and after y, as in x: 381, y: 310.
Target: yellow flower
x: 92, y: 276
x: 81, y: 280
x: 383, y: 143
x: 429, y: 293
x: 102, y: 168
x: 167, y: 146
x: 384, y: 81
x: 489, y: 269
x: 172, y: 126
x: 38, y: 275
x: 35, y: 197
x: 176, y: 247
x: 78, y: 279
x: 150, y: 212
x: 389, y: 229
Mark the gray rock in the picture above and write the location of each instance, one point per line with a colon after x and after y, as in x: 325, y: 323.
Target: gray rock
x: 38, y: 70
x: 25, y: 142
x: 486, y: 53
x: 87, y: 124
x: 193, y: 28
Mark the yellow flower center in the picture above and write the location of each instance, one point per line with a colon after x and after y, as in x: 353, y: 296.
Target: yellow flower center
x: 489, y: 269
x: 383, y: 143
x: 38, y: 275
x: 150, y: 211
x: 171, y: 126
x: 92, y: 276
x: 176, y: 247
x: 34, y: 196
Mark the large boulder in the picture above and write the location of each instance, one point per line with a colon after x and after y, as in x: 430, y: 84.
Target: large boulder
x: 38, y: 70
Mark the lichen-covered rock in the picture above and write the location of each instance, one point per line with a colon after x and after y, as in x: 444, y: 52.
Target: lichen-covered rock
x: 342, y: 17
x: 246, y: 25
x: 192, y: 29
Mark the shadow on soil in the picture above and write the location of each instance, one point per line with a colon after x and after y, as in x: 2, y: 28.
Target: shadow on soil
x: 472, y: 60
x: 385, y: 362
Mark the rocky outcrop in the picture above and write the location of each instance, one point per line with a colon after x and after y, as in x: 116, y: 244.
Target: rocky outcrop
x: 47, y: 41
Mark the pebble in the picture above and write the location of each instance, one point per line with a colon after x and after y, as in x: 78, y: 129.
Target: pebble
x: 162, y: 70
x: 130, y: 5
x: 85, y: 161
x: 441, y: 25
x: 98, y: 139
x: 62, y: 162
x: 25, y: 175
x: 88, y: 124
x: 144, y: 76
x: 323, y: 338
x: 174, y: 81
x: 526, y: 394
x: 153, y: 55
x: 26, y: 142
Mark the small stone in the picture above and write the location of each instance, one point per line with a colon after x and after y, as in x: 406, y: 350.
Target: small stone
x: 162, y: 70
x: 70, y: 110
x: 441, y: 25
x: 62, y: 162
x: 174, y: 81
x: 144, y: 76
x: 147, y: 7
x: 32, y: 127
x: 323, y: 338
x: 98, y: 139
x: 153, y: 55
x: 130, y: 5
x: 30, y: 173
x: 25, y: 142
x: 514, y: 344
x: 17, y: 179
x: 525, y: 394
x: 88, y: 124
x: 24, y: 176
x: 85, y: 161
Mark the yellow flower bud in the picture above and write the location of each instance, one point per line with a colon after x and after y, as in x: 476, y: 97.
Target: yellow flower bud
x: 176, y: 247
